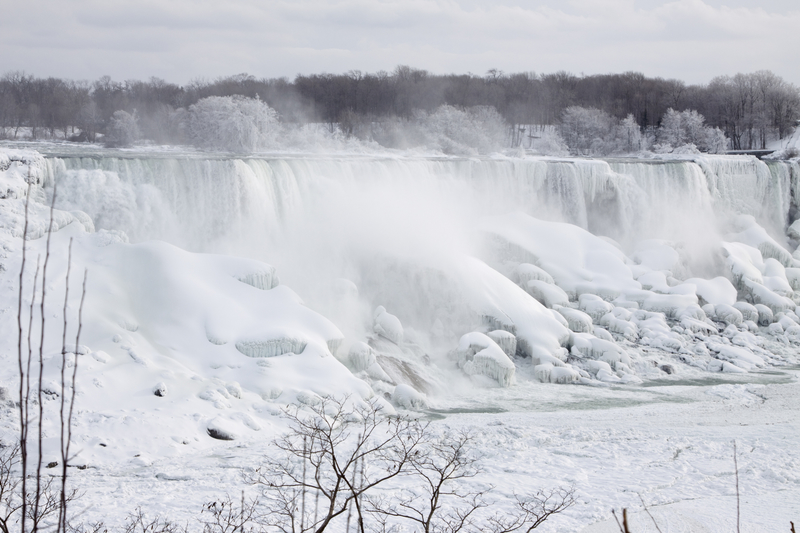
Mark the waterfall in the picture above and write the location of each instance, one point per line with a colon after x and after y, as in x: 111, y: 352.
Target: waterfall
x: 206, y: 204
x: 438, y: 244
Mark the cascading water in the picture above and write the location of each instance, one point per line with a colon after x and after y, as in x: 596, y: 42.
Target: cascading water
x: 196, y: 203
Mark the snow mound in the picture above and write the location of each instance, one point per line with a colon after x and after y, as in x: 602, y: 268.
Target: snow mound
x: 505, y: 340
x: 577, y: 320
x: 387, y: 325
x: 406, y: 397
x: 525, y: 272
x: 478, y: 354
x: 547, y: 373
x: 547, y: 294
x: 222, y: 429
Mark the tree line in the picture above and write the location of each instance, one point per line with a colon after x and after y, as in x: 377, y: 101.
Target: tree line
x: 750, y: 109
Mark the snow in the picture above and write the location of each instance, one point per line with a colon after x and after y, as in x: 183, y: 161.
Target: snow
x: 404, y: 281
x: 406, y: 397
x: 525, y: 272
x: 387, y: 325
x: 547, y: 294
x: 714, y: 291
x: 578, y: 321
x: 480, y: 354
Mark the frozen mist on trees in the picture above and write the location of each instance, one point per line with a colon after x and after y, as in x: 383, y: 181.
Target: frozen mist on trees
x: 236, y: 124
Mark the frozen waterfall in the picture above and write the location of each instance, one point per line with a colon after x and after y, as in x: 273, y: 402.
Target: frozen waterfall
x: 449, y: 246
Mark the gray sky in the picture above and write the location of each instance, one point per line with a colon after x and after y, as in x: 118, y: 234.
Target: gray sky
x: 180, y: 40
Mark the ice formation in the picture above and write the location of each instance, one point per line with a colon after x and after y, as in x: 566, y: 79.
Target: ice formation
x: 407, y: 397
x: 412, y: 275
x: 271, y: 347
x: 480, y: 354
x: 265, y: 279
x: 387, y: 325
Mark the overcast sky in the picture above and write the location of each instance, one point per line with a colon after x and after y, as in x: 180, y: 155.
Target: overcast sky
x: 180, y: 40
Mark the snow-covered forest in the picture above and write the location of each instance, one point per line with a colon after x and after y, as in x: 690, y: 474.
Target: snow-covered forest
x: 581, y: 115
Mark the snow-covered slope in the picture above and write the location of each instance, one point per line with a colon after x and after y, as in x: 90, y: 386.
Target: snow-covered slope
x: 173, y: 343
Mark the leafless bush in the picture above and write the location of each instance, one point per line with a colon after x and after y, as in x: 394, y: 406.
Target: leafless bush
x: 338, y: 458
x: 533, y: 509
x: 139, y: 522
x: 437, y: 502
x: 10, y: 502
x: 223, y: 516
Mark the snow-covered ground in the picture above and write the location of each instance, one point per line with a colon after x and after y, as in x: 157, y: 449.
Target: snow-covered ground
x: 789, y: 142
x: 671, y: 444
x: 477, y: 293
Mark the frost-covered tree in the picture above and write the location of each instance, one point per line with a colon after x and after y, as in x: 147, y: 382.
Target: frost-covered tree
x: 679, y: 128
x: 716, y: 141
x: 549, y: 142
x: 232, y: 123
x: 122, y: 130
x: 682, y: 127
x: 629, y: 138
x: 588, y: 131
x: 463, y: 131
x: 593, y: 132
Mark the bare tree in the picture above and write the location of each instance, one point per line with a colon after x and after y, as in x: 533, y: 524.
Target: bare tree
x: 10, y: 501
x: 48, y: 499
x: 532, y: 510
x: 139, y: 522
x: 437, y: 503
x: 333, y: 454
x: 349, y: 462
